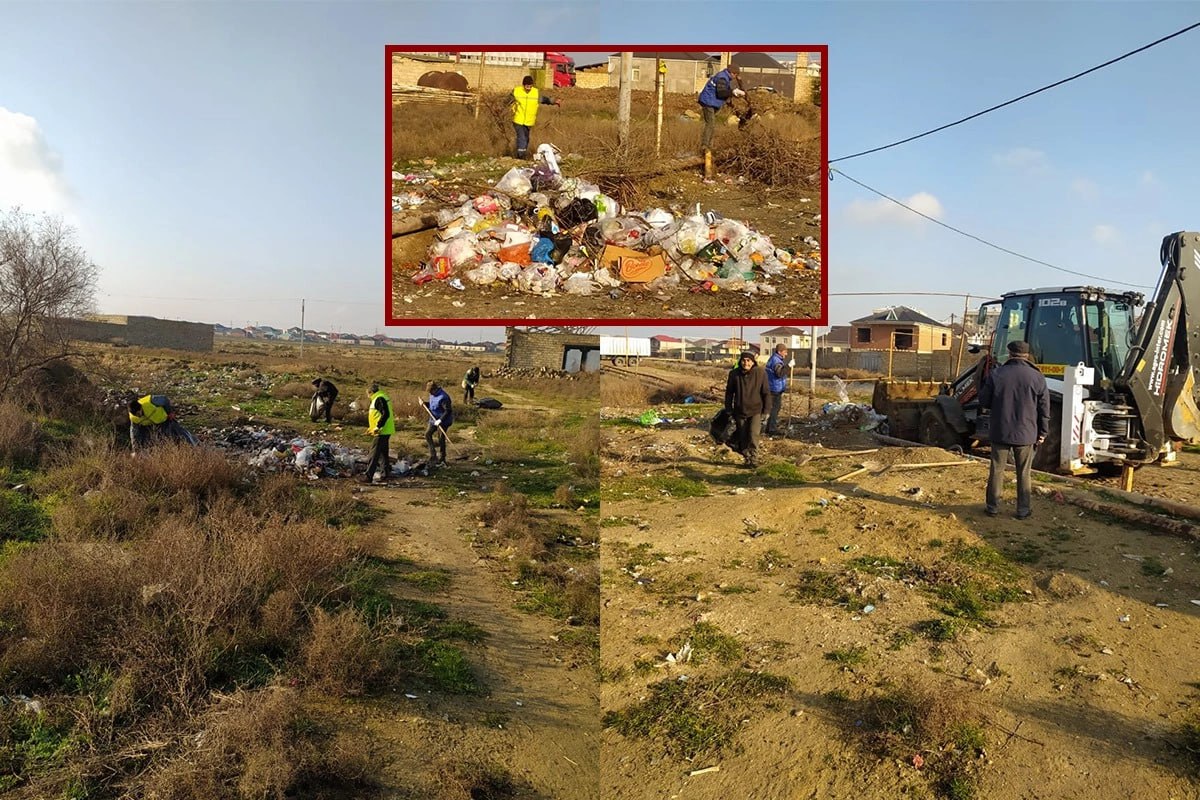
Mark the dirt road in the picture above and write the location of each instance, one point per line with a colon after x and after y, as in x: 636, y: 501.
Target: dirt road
x: 1059, y: 650
x: 540, y: 718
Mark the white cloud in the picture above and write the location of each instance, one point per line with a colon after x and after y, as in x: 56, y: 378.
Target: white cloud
x: 31, y: 174
x: 876, y: 211
x: 1104, y: 234
x: 1149, y: 179
x: 1087, y: 189
x: 1026, y: 159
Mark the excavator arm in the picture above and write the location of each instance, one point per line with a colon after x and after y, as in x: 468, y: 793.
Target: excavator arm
x: 1160, y: 374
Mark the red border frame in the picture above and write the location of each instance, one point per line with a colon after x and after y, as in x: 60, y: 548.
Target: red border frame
x: 822, y: 49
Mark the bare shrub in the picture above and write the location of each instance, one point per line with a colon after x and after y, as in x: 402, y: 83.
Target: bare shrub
x: 293, y: 390
x: 341, y: 657
x: 262, y: 745
x: 584, y: 450
x: 106, y: 514
x: 621, y: 392
x: 19, y: 440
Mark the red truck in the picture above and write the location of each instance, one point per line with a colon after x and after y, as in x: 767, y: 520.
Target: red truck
x: 562, y: 67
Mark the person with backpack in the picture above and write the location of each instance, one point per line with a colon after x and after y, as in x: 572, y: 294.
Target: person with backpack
x: 717, y: 90
x: 777, y: 370
x: 441, y: 417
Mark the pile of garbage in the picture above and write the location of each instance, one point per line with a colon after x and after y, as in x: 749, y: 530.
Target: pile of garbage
x: 852, y: 415
x: 543, y: 233
x: 273, y: 450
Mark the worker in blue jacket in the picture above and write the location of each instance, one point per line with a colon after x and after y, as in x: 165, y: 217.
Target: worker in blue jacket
x: 441, y: 417
x: 719, y: 88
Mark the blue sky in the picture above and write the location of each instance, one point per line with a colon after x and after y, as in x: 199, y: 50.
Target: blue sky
x: 228, y: 155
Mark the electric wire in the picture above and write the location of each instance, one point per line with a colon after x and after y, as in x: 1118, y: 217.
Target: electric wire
x: 1110, y: 62
x: 985, y: 241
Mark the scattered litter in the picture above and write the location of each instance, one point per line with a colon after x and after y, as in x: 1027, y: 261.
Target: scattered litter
x: 1123, y: 618
x: 410, y: 696
x: 704, y: 771
x: 1108, y: 651
x: 868, y: 609
x: 683, y: 656
x: 1194, y: 602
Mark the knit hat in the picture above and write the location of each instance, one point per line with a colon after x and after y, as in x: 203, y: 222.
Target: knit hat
x: 747, y: 354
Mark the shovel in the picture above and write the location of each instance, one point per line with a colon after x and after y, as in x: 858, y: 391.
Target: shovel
x: 865, y: 466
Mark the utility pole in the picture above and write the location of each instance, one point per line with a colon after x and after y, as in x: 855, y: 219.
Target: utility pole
x: 660, y: 78
x: 812, y: 368
x: 479, y: 86
x: 624, y: 95
x: 302, y: 327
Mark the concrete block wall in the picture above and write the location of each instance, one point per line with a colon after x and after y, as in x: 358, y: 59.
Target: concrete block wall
x: 143, y: 332
x: 926, y: 366
x: 526, y: 349
x: 496, y: 77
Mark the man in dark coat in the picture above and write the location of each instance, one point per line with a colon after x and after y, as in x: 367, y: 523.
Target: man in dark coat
x: 324, y: 393
x: 747, y: 399
x: 1018, y: 400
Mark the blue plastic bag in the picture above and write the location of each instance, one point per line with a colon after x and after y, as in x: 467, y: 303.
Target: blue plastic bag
x: 540, y: 254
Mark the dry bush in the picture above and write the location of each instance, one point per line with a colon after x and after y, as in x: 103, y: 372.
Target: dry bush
x: 776, y: 152
x: 105, y: 514
x: 263, y: 745
x: 678, y: 391
x: 420, y: 130
x: 19, y: 439
x: 341, y: 657
x: 293, y: 389
x: 577, y: 387
x: 622, y: 392
x: 584, y: 450
x: 62, y: 603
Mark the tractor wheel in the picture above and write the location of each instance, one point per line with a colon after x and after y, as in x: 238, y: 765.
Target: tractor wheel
x: 1045, y: 458
x: 936, y: 431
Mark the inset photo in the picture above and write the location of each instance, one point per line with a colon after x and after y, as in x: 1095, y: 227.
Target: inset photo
x: 606, y: 184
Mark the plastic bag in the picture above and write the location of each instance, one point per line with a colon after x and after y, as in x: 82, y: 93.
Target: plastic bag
x: 580, y: 283
x: 509, y: 271
x: 540, y: 252
x: 537, y: 279
x: 658, y: 218
x: 515, y: 183
x: 730, y: 231
x: 484, y: 274
x: 692, y: 235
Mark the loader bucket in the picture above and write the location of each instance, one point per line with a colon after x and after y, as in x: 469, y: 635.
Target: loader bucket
x: 1183, y: 417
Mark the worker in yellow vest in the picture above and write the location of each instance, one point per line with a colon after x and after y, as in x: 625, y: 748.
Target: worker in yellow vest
x: 381, y: 423
x: 525, y: 102
x: 151, y: 419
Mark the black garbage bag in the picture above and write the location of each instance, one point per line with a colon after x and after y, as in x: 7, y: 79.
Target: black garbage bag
x: 723, y: 429
x: 577, y: 212
x: 489, y: 402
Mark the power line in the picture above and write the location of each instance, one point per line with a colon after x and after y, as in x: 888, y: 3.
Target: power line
x: 243, y: 299
x: 1022, y: 97
x: 985, y: 241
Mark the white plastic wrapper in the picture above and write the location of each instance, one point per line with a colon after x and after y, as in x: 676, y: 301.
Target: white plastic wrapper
x: 658, y: 218
x: 580, y: 283
x: 515, y: 182
x: 484, y: 274
x: 509, y: 271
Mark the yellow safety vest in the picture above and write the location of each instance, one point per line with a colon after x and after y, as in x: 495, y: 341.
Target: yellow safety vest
x: 151, y: 414
x: 525, y: 106
x: 373, y: 416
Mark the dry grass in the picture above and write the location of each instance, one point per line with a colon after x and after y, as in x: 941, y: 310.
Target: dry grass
x: 19, y: 439
x: 293, y: 390
x: 783, y: 151
x: 264, y: 746
x: 621, y: 392
x: 584, y: 450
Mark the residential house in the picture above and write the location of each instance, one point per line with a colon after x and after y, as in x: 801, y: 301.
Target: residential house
x: 835, y: 340
x: 686, y: 72
x: 794, y: 338
x: 900, y: 328
x: 761, y: 70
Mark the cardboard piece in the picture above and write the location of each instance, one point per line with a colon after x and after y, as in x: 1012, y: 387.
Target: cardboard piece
x: 642, y: 269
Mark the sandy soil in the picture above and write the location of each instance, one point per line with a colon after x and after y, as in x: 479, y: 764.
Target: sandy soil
x: 1082, y: 680
x: 548, y: 708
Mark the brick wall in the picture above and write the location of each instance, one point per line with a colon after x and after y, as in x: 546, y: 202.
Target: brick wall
x: 144, y: 332
x: 532, y: 350
x: 496, y: 77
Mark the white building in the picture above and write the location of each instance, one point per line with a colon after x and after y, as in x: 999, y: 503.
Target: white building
x: 794, y: 338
